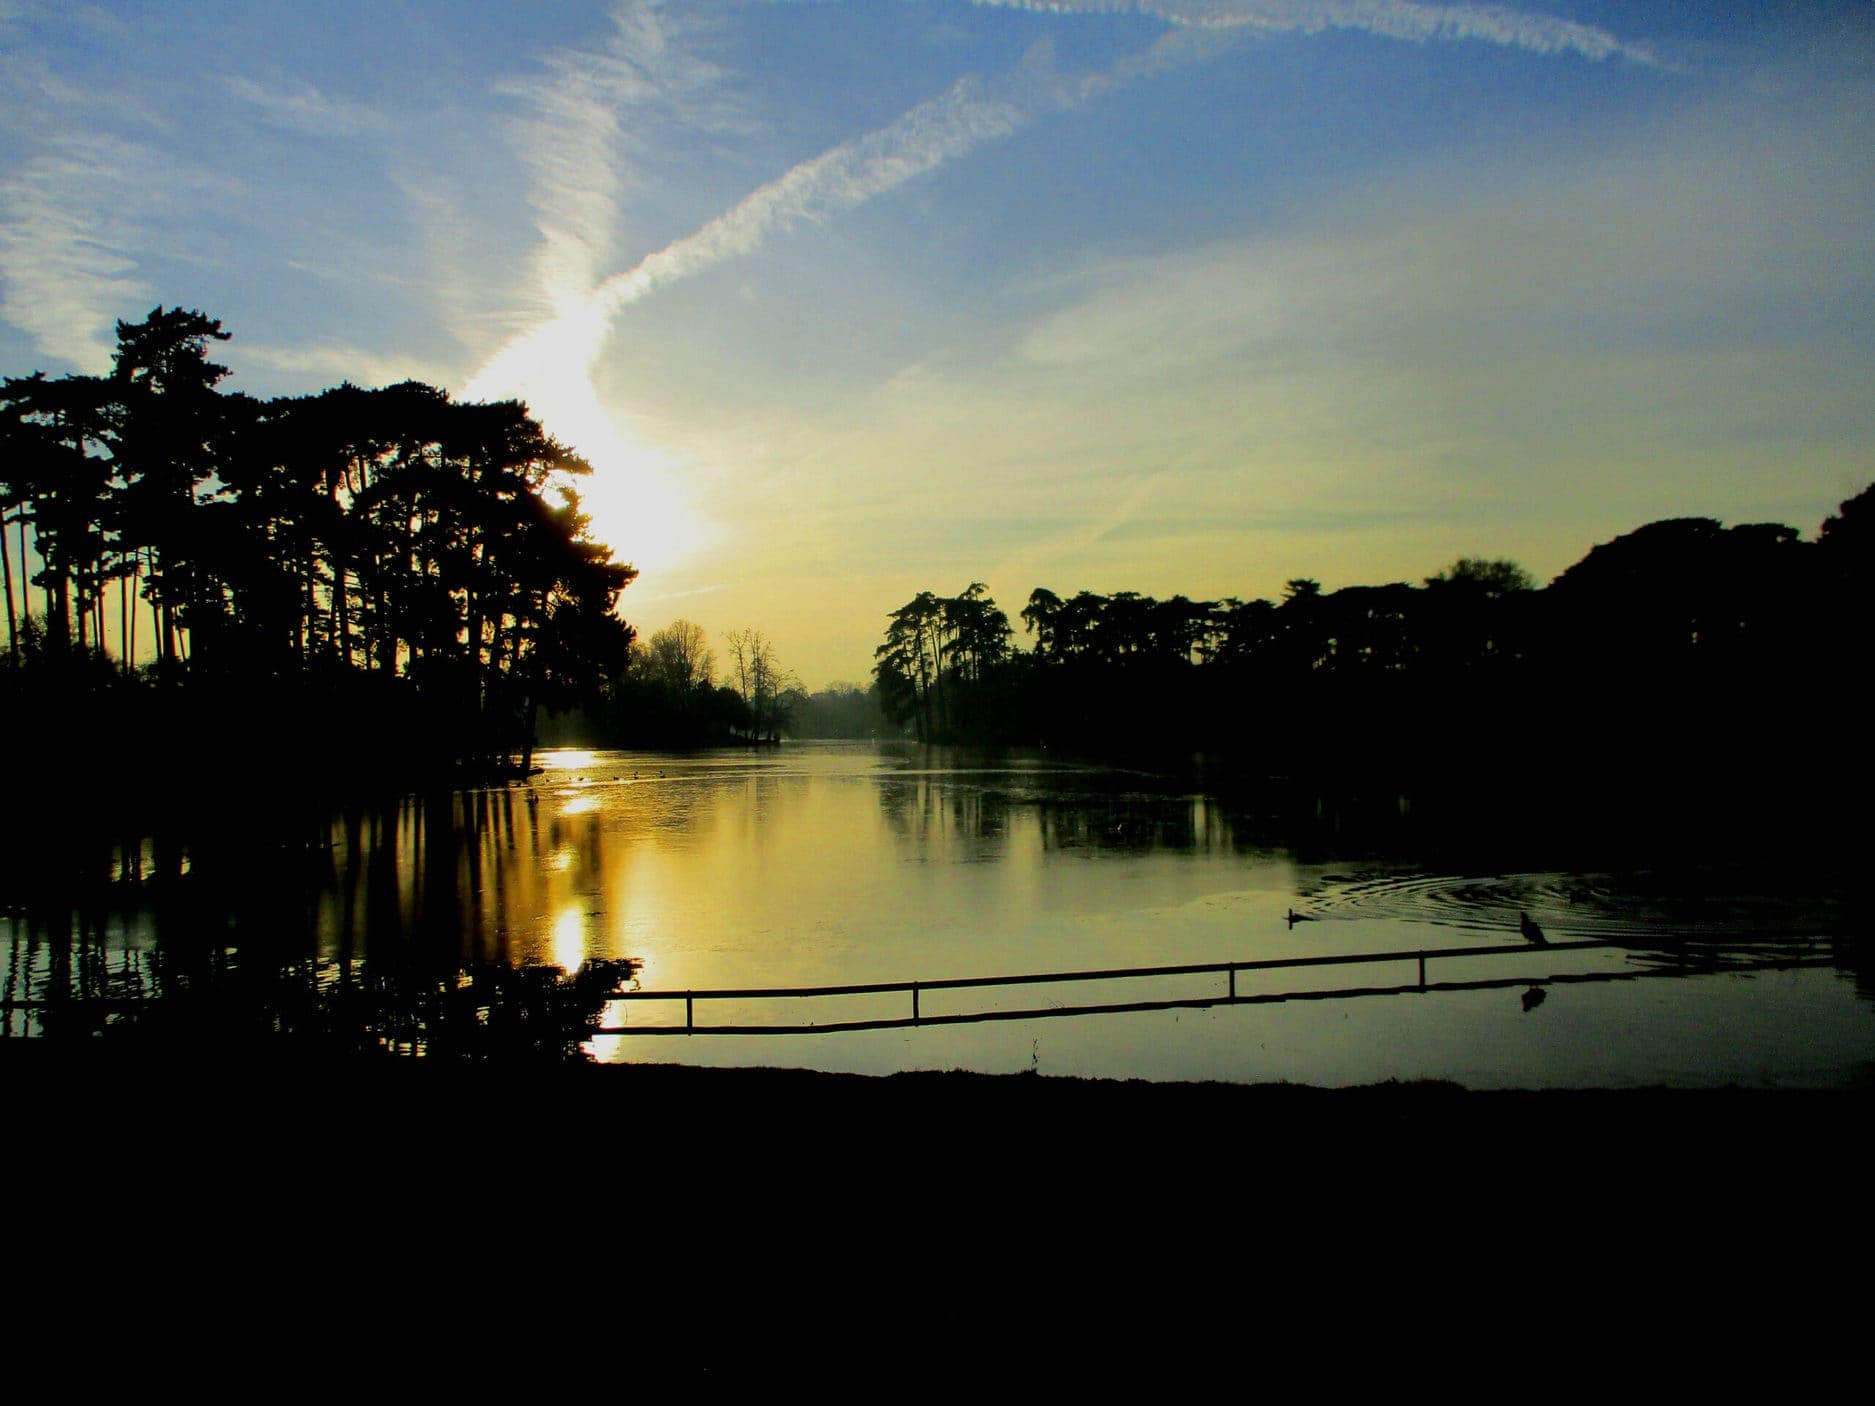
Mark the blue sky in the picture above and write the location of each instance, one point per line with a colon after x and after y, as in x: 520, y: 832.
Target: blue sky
x: 847, y: 301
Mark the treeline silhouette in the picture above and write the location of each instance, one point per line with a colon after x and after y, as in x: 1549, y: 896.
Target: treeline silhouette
x: 1684, y: 664
x: 669, y: 695
x: 673, y: 695
x: 390, y: 582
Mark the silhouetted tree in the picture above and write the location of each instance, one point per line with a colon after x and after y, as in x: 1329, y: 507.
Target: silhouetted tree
x: 1038, y: 618
x: 678, y: 657
x: 396, y: 534
x: 1673, y: 645
x: 1490, y: 577
x: 167, y: 447
x: 910, y: 665
x: 940, y: 662
x: 767, y: 689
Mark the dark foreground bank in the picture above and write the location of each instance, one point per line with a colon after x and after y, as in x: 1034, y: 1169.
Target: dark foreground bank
x: 677, y: 1109
x: 557, y: 1226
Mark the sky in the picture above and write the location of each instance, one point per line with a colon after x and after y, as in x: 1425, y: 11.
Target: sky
x: 846, y: 301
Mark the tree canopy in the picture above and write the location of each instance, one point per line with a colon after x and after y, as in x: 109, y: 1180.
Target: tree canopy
x: 397, y: 537
x: 1681, y: 643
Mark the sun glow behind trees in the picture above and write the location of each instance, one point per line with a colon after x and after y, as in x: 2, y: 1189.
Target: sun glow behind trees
x: 394, y: 549
x: 632, y: 494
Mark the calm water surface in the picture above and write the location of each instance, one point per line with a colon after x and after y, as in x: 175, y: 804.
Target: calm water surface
x: 830, y: 864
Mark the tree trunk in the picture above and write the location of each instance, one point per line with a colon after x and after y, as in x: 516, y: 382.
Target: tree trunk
x: 59, y: 605
x: 341, y: 623
x: 6, y: 563
x: 51, y: 611
x: 311, y: 613
x: 136, y: 575
x: 25, y: 580
x: 165, y: 626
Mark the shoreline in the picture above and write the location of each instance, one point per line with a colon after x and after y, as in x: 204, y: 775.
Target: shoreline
x: 207, y: 1070
x: 774, y: 1146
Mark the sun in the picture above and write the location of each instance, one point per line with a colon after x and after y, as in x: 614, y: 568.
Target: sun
x: 633, y: 494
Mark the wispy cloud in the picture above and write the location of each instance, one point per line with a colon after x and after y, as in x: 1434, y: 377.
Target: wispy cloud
x: 338, y: 361
x: 1392, y: 19
x: 25, y: 13
x: 1503, y: 342
x: 1020, y: 571
x: 569, y: 140
x: 576, y: 137
x: 577, y: 140
x: 298, y: 106
x: 67, y: 242
x: 34, y: 96
x: 665, y: 597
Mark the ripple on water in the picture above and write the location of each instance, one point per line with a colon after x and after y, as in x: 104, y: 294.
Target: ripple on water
x: 1584, y: 906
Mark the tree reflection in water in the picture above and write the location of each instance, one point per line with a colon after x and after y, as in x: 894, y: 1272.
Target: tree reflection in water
x: 481, y: 1012
x: 363, y: 935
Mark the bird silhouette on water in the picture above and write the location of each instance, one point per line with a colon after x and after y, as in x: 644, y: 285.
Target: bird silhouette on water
x: 1530, y: 930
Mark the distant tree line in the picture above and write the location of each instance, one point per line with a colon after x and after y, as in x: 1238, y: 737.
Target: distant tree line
x: 391, y: 567
x: 1682, y: 647
x: 842, y: 711
x: 671, y: 695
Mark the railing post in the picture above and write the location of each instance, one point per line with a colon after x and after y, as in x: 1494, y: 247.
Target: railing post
x: 689, y: 1013
x: 914, y: 1003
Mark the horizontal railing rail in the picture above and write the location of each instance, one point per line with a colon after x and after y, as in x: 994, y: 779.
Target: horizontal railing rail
x: 1676, y: 958
x: 1716, y: 958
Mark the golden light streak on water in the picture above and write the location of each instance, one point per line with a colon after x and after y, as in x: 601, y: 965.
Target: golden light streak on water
x: 569, y: 940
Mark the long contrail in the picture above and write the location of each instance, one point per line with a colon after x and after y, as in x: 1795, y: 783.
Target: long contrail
x: 837, y: 180
x: 1392, y: 19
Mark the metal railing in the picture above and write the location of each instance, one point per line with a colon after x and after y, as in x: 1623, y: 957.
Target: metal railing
x: 1683, y: 964
x: 1671, y: 958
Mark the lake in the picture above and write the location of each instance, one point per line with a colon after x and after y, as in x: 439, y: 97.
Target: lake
x: 823, y: 864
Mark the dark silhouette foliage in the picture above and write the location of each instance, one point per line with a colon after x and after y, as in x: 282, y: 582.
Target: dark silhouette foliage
x: 1701, y: 669
x: 397, y: 581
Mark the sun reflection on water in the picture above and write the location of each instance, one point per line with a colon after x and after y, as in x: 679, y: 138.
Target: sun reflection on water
x: 569, y: 940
